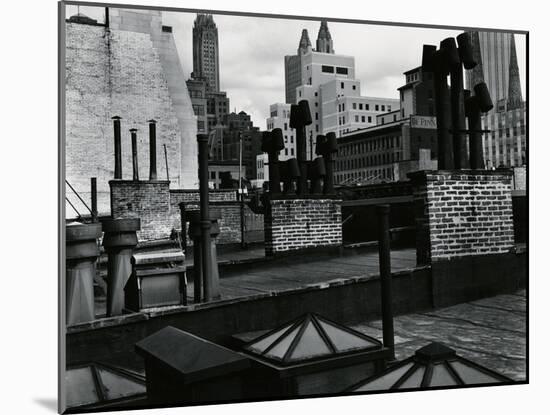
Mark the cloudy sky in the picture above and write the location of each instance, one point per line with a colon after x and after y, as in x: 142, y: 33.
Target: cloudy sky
x: 252, y: 54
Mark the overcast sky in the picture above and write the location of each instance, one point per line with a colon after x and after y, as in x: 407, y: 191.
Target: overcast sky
x: 252, y: 54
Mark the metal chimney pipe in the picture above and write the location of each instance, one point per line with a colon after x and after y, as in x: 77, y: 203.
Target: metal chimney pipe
x: 473, y: 113
x: 331, y: 147
x: 152, y: 150
x: 118, y: 149
x: 300, y: 117
x: 450, y: 51
x: 205, y: 222
x: 443, y: 112
x: 276, y: 144
x: 93, y: 184
x: 383, y: 213
x: 133, y: 133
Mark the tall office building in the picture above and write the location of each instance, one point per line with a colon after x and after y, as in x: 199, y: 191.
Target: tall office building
x: 505, y: 145
x: 205, y: 52
x: 211, y: 105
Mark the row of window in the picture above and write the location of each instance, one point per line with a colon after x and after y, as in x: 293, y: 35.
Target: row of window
x: 380, y: 143
x: 330, y: 69
x: 371, y: 175
x: 195, y: 93
x: 367, y: 161
x: 355, y: 106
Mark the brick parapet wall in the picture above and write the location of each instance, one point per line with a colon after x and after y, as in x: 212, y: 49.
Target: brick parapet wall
x: 158, y: 208
x: 295, y: 224
x: 461, y: 213
x: 147, y: 200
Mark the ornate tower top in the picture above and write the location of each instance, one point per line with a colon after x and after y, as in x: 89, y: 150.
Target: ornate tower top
x: 324, y: 40
x: 514, y: 86
x: 305, y: 43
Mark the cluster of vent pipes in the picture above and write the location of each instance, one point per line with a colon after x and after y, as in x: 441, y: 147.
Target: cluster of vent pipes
x: 454, y: 104
x: 152, y: 151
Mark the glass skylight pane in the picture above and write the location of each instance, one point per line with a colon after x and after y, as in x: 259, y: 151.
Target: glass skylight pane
x: 441, y: 376
x: 119, y: 386
x: 387, y: 381
x: 280, y: 349
x: 415, y: 379
x: 310, y: 344
x: 263, y: 344
x: 344, y: 340
x: 472, y: 376
x: 80, y: 387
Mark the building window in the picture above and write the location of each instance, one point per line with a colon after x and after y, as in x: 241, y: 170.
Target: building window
x: 370, y: 118
x: 362, y: 118
x: 213, y: 175
x: 366, y: 107
x: 316, y: 115
x: 316, y: 94
x: 286, y: 151
x: 327, y: 69
x: 353, y: 87
x: 286, y: 126
x: 360, y: 106
x: 389, y: 108
x: 291, y: 151
x: 343, y: 107
x: 383, y: 108
x: 354, y: 106
x: 357, y: 118
x: 376, y: 107
x: 342, y: 85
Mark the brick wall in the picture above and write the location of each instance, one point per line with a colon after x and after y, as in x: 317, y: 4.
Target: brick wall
x: 294, y: 224
x: 158, y: 208
x: 147, y: 200
x: 462, y: 213
x: 124, y: 72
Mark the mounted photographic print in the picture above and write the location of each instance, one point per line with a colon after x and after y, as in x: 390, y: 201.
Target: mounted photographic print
x: 259, y: 207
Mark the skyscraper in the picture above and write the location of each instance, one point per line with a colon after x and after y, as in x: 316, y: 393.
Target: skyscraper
x: 205, y: 51
x: 495, y: 52
x: 210, y: 104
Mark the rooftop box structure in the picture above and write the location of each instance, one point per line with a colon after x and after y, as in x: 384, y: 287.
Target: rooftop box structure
x: 182, y: 369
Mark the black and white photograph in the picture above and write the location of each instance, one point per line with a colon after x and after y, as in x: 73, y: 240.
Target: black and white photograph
x: 267, y: 207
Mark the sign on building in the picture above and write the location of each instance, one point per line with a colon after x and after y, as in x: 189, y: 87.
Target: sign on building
x: 418, y: 121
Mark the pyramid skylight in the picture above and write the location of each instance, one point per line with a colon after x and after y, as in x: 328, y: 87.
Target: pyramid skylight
x: 310, y: 337
x: 434, y: 365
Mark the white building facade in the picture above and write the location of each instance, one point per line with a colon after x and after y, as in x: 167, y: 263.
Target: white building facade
x: 328, y: 83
